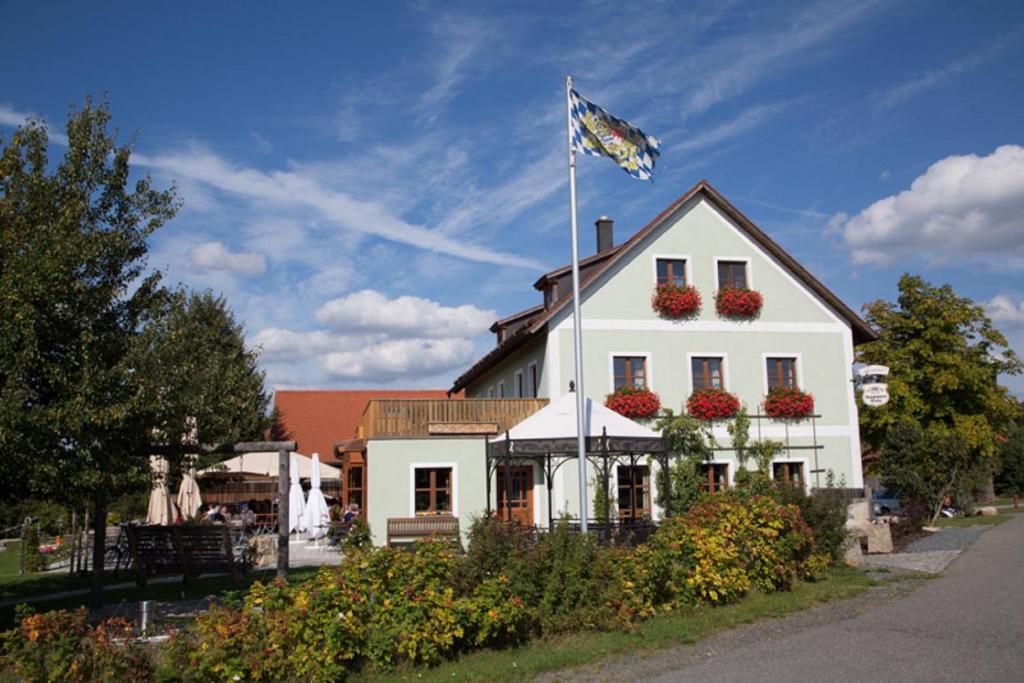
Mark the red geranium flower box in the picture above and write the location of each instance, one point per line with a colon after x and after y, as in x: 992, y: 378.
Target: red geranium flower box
x: 736, y: 302
x: 634, y: 403
x: 712, y: 404
x: 674, y: 302
x: 788, y: 403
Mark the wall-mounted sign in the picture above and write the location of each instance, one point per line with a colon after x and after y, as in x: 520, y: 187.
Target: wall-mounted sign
x: 875, y: 394
x: 874, y: 371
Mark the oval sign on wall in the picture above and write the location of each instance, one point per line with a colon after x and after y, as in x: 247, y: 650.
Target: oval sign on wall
x: 875, y: 395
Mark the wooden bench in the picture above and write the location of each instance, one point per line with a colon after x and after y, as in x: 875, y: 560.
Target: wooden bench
x: 186, y: 550
x: 411, y: 528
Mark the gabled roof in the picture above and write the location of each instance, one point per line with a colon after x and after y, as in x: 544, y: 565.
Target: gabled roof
x: 584, y: 262
x: 519, y: 315
x: 862, y: 332
x: 319, y: 418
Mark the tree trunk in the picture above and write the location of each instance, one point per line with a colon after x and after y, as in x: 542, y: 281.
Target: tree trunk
x: 99, y: 549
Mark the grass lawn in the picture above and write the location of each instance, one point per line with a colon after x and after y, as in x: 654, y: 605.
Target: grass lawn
x: 975, y: 520
x: 663, y: 631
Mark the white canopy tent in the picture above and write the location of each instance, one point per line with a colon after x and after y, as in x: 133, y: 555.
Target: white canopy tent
x: 557, y: 421
x: 548, y: 437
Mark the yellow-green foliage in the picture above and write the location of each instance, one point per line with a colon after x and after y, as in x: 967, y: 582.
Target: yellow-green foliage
x: 386, y: 607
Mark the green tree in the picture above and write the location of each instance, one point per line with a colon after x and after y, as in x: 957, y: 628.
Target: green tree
x: 1010, y: 480
x: 93, y: 369
x: 946, y: 407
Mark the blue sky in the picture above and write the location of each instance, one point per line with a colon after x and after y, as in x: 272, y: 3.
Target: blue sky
x: 372, y: 186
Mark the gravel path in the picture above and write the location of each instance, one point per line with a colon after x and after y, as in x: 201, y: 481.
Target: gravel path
x: 947, y: 539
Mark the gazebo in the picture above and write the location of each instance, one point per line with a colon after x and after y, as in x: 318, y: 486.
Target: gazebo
x: 548, y: 438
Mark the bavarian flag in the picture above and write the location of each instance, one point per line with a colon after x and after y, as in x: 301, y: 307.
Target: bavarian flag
x: 598, y: 133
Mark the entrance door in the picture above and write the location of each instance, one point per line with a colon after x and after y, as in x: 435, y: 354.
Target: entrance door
x: 520, y: 478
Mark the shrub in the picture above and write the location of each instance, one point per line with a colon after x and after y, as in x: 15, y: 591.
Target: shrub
x: 634, y: 403
x: 496, y: 548
x: 358, y: 536
x: 564, y: 563
x: 62, y: 646
x: 788, y: 403
x: 674, y: 302
x: 495, y: 615
x: 712, y: 404
x: 737, y: 302
x: 826, y: 515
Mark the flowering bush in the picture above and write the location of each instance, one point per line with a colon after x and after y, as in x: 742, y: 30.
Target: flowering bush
x: 636, y: 404
x: 495, y: 615
x: 62, y: 646
x: 675, y: 302
x: 712, y: 404
x: 737, y: 302
x: 788, y: 403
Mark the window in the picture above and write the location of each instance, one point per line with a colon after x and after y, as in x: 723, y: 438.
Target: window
x: 490, y: 392
x: 671, y: 272
x: 629, y: 371
x: 520, y: 391
x: 732, y: 274
x: 634, y: 492
x: 788, y: 472
x: 355, y: 486
x: 715, y: 477
x: 707, y: 373
x: 781, y: 373
x: 533, y: 380
x: 501, y: 389
x: 433, y: 494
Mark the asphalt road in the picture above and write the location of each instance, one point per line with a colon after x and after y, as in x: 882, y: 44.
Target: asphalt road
x: 967, y: 625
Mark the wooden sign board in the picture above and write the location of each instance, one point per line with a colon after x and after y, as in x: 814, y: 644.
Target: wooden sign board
x: 462, y: 428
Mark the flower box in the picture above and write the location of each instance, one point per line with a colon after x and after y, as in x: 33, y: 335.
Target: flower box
x: 712, y: 404
x: 636, y: 404
x: 674, y: 302
x: 736, y: 302
x: 786, y: 403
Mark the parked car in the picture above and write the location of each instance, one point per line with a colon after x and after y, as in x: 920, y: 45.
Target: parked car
x: 886, y: 502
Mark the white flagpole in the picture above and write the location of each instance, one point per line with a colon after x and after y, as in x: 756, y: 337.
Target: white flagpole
x: 581, y: 436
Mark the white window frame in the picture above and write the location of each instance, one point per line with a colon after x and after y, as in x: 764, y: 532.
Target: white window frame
x: 801, y: 382
x: 519, y: 384
x: 745, y: 259
x: 648, y: 367
x: 501, y: 389
x: 730, y: 468
x: 490, y: 391
x: 687, y: 269
x: 533, y: 378
x: 804, y: 463
x: 413, y: 466
x: 690, y: 355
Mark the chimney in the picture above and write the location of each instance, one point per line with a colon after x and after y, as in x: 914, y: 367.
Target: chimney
x: 605, y: 240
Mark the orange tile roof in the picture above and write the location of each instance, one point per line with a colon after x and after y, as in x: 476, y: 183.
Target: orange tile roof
x: 318, y: 419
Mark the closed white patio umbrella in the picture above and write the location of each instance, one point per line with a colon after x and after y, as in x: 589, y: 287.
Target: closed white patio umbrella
x: 317, y: 514
x: 189, y: 499
x: 161, y: 509
x: 296, y: 505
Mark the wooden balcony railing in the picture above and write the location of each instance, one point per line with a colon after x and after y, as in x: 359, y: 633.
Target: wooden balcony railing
x: 401, y: 417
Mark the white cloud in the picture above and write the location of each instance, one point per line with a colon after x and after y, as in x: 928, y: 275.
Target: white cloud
x: 370, y: 311
x: 962, y: 208
x: 934, y: 78
x: 461, y: 40
x: 745, y: 121
x: 295, y: 190
x: 400, y: 358
x: 210, y: 256
x: 1004, y: 313
x: 281, y: 345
